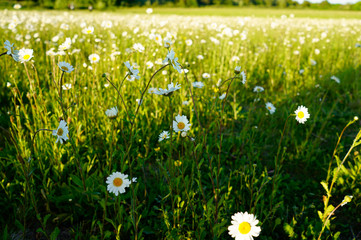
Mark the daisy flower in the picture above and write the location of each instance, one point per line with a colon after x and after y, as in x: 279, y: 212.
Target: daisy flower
x: 66, y: 86
x: 152, y: 90
x: 112, y: 113
x: 65, y: 67
x: 258, y: 89
x: 189, y: 42
x: 94, y: 58
x: 61, y: 132
x: 132, y: 71
x: 271, y: 108
x: 181, y: 123
x: 64, y: 26
x: 17, y: 6
x: 198, y: 84
x: 107, y: 24
x: 88, y: 30
x: 206, y: 75
x: 222, y: 96
x: 336, y: 79
x: 10, y: 47
x: 138, y: 47
x: 25, y: 55
x: 173, y: 60
x: 244, y: 226
x: 158, y: 39
x: 130, y: 78
x: 149, y: 64
x: 117, y: 182
x: 164, y: 135
x: 139, y: 101
x: 244, y: 77
x: 66, y: 45
x: 302, y: 114
x: 167, y: 43
x: 169, y: 91
x: 200, y: 57
x: 237, y: 69
x: 149, y: 10
x: 11, y: 50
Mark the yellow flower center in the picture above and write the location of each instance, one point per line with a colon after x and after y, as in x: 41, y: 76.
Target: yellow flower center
x: 244, y: 228
x: 64, y: 68
x: 26, y: 57
x: 165, y: 136
x: 300, y: 115
x: 60, y: 132
x: 181, y: 125
x: 94, y: 58
x: 118, y: 182
x: 89, y: 31
x: 269, y: 108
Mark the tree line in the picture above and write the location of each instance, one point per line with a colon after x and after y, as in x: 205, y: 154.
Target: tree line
x: 181, y: 3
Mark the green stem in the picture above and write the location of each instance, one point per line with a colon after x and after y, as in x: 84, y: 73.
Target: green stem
x: 125, y: 106
x: 328, y: 217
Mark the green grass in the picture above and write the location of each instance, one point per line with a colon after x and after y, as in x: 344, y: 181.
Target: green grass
x: 251, y: 12
x: 236, y: 162
x: 231, y: 12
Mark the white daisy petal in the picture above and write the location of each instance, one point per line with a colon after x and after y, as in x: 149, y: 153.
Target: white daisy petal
x: 244, y: 226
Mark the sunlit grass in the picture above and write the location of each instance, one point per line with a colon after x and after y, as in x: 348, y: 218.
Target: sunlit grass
x: 242, y: 149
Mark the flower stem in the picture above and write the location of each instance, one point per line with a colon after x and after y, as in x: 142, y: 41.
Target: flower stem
x: 43, y: 129
x: 3, y: 53
x: 328, y: 217
x: 125, y: 106
x: 150, y: 80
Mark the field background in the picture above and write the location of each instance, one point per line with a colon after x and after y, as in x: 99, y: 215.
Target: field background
x: 60, y: 193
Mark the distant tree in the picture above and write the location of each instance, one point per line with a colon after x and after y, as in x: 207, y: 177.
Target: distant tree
x: 282, y: 3
x: 356, y: 6
x: 257, y: 2
x: 269, y: 3
x: 204, y: 2
x: 306, y: 4
x: 291, y: 3
x: 217, y: 2
x: 191, y: 3
x: 227, y: 2
x: 325, y: 4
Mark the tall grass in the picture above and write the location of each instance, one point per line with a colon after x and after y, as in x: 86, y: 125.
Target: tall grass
x: 236, y: 157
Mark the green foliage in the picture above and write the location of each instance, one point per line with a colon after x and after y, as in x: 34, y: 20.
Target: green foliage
x: 184, y: 189
x: 110, y: 4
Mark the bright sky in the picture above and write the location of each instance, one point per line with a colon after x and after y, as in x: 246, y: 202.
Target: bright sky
x: 331, y: 1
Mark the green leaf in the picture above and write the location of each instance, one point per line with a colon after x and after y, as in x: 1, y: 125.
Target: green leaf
x: 289, y: 230
x: 54, y: 234
x: 325, y: 186
x: 320, y: 215
x: 76, y: 180
x: 337, y: 235
x: 329, y: 210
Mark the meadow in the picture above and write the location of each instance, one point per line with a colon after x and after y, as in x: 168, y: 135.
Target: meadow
x: 123, y: 125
